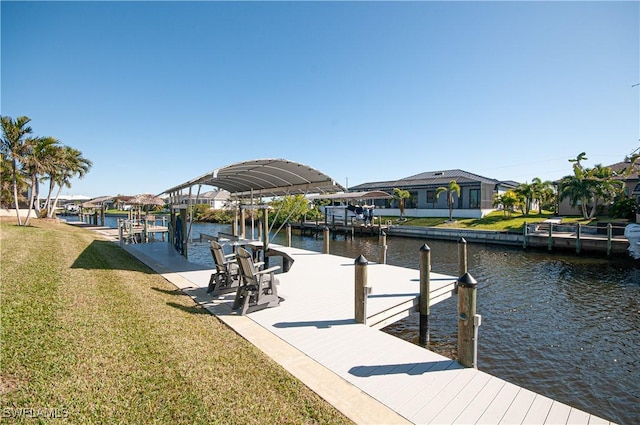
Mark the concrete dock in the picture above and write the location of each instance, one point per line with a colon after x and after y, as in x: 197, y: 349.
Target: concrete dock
x: 371, y: 376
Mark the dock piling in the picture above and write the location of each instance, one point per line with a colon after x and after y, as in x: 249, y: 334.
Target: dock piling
x: 383, y: 248
x: 288, y: 235
x: 462, y: 256
x: 467, y: 328
x: 325, y: 235
x: 609, y: 236
x: 424, y: 301
x: 524, y: 236
x: 578, y: 234
x: 361, y: 289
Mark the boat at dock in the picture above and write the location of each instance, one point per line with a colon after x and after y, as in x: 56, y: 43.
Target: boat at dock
x: 632, y: 233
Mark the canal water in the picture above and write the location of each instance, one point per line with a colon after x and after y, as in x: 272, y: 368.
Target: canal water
x: 564, y: 326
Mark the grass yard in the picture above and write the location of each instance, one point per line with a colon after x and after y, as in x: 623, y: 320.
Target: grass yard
x: 91, y: 335
x: 493, y: 221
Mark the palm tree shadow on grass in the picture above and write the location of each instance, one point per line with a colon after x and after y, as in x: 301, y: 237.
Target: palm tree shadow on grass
x: 193, y: 309
x: 105, y: 255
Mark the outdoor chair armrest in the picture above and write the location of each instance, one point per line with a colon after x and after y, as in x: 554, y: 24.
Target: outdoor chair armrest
x: 269, y: 270
x: 230, y: 255
x: 258, y: 264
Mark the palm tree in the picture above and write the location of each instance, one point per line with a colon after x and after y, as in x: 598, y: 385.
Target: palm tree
x: 14, y: 147
x: 452, y: 188
x: 526, y: 192
x: 577, y: 190
x: 542, y: 192
x: 6, y: 184
x: 71, y: 164
x: 507, y: 201
x: 401, y: 195
x: 578, y: 169
x: 39, y: 159
x: 603, y: 186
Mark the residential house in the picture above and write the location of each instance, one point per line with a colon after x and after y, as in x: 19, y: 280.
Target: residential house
x: 216, y: 199
x: 475, y: 200
x: 631, y: 188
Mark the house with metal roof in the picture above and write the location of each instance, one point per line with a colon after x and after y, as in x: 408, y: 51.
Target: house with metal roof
x: 475, y: 200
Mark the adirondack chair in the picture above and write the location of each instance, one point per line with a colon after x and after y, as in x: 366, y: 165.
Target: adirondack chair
x: 258, y: 290
x: 226, y: 278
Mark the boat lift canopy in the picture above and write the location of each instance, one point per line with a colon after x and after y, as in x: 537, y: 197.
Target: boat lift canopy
x: 262, y: 178
x: 265, y: 177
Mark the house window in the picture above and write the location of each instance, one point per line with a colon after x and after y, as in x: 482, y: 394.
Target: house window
x: 412, y: 201
x: 474, y: 198
x: 431, y: 197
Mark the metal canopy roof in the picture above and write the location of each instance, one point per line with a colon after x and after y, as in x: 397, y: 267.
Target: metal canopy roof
x: 265, y: 177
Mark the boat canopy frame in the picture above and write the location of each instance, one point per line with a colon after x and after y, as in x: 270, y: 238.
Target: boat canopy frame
x: 262, y: 178
x: 265, y: 177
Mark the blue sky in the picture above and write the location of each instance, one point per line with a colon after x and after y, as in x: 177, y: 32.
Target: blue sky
x: 157, y: 93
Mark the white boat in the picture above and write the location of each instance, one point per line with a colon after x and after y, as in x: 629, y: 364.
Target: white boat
x: 632, y: 233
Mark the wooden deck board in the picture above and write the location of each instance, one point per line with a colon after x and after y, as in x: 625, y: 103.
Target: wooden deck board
x: 445, y: 407
x: 316, y: 318
x: 519, y: 407
x: 476, y: 409
x: 538, y: 411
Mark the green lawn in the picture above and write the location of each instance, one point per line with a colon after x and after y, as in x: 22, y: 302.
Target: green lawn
x: 493, y: 221
x: 91, y: 334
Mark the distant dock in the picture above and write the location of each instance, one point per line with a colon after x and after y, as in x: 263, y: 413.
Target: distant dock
x: 316, y: 228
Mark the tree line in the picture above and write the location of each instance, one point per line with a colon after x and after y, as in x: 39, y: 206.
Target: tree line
x: 590, y: 189
x: 31, y: 160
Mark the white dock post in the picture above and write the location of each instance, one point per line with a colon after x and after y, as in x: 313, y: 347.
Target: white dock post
x: 243, y: 225
x: 325, y: 235
x: 425, y: 283
x: 361, y: 289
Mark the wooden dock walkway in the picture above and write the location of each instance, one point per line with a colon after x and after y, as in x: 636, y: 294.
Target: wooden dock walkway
x: 317, y: 319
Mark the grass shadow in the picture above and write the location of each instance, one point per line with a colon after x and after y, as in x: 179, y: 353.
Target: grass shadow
x: 105, y: 255
x: 193, y: 309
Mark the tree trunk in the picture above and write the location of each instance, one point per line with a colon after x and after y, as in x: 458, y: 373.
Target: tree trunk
x: 32, y: 197
x: 47, y: 203
x: 55, y: 202
x: 15, y: 192
x: 594, y: 209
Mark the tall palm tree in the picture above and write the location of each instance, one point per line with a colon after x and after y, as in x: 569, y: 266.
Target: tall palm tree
x: 71, y: 164
x: 14, y: 147
x: 578, y: 169
x: 577, y: 190
x: 401, y: 195
x: 541, y: 191
x: 38, y: 160
x: 6, y: 184
x: 525, y: 192
x: 452, y: 188
x: 604, y: 187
